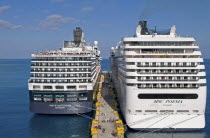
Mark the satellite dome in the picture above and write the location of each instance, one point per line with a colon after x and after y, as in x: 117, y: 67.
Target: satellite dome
x: 95, y: 43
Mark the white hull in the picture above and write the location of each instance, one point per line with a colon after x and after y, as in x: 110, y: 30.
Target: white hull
x: 130, y: 103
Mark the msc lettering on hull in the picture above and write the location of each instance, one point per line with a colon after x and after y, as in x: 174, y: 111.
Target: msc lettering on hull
x: 167, y: 101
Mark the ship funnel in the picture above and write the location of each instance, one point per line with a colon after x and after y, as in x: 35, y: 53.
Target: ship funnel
x: 143, y: 24
x: 78, y: 36
x: 144, y: 29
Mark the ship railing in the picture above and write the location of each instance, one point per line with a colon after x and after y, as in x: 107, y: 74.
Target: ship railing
x: 61, y: 76
x: 59, y: 82
x: 167, y: 72
x: 159, y: 52
x: 61, y: 65
x: 82, y: 71
x: 166, y: 65
x: 60, y: 53
x: 59, y: 60
x: 158, y: 44
x: 168, y: 87
x: 168, y: 80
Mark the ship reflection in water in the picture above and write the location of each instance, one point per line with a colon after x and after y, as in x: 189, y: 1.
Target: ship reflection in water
x: 60, y: 126
x: 137, y: 134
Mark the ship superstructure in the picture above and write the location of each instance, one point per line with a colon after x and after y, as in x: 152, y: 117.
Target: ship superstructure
x: 62, y: 81
x: 160, y: 80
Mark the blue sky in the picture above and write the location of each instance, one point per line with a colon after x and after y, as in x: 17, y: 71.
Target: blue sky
x: 28, y: 26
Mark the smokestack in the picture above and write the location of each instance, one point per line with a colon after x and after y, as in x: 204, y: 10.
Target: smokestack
x: 143, y: 24
x: 144, y: 29
x: 78, y: 36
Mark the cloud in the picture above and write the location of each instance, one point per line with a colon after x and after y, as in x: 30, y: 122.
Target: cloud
x: 57, y: 0
x: 52, y: 22
x: 9, y: 26
x: 3, y: 8
x: 87, y: 9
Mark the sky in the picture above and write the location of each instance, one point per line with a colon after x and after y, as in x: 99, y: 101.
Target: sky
x: 28, y: 26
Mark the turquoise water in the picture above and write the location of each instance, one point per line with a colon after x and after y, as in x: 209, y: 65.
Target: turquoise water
x: 17, y: 121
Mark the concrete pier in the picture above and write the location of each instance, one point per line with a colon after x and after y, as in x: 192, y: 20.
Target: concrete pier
x: 107, y: 123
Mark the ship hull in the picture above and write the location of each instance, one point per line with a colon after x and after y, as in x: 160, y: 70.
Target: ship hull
x: 62, y: 107
x: 130, y: 104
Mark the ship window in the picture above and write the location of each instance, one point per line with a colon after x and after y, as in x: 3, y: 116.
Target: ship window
x: 82, y: 86
x: 59, y: 87
x: 71, y: 87
x: 192, y: 63
x: 130, y: 63
x: 181, y: 111
x: 129, y: 84
x: 59, y: 95
x: 59, y: 99
x: 130, y: 77
x: 83, y: 99
x: 72, y: 95
x: 82, y: 94
x: 37, y: 95
x: 150, y: 110
x: 167, y: 96
x: 48, y: 99
x: 36, y: 87
x: 71, y: 99
x: 163, y: 111
x: 194, y: 85
x: 47, y: 87
x: 48, y: 95
x: 37, y: 99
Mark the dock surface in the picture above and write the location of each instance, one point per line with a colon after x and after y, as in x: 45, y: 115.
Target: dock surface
x: 107, y: 123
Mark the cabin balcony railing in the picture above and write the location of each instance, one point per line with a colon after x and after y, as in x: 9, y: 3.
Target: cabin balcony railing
x: 167, y: 72
x: 89, y: 71
x: 159, y: 52
x: 168, y: 80
x: 61, y: 54
x: 163, y: 44
x: 168, y: 87
x: 138, y: 65
x: 59, y: 76
x: 61, y: 65
x: 58, y: 60
x: 61, y: 82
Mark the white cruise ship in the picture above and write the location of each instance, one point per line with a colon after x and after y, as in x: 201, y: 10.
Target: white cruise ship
x: 62, y: 81
x: 160, y: 80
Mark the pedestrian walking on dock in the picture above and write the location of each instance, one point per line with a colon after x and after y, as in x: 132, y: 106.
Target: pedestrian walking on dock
x: 103, y: 130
